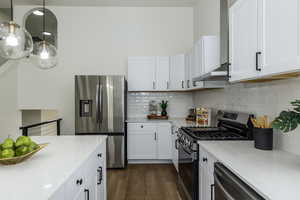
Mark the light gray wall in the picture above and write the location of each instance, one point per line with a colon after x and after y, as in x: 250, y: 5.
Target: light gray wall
x: 98, y: 40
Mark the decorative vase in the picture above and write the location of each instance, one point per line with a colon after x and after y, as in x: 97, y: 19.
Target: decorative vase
x: 164, y: 112
x: 263, y: 138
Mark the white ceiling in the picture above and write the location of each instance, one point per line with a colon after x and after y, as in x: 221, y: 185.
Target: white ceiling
x: 6, y: 3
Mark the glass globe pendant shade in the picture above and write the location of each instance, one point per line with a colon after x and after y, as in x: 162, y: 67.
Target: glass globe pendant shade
x: 15, y: 41
x: 44, y: 55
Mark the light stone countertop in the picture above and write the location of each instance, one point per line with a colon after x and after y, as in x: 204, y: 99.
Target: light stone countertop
x: 39, y: 177
x: 273, y: 174
x: 177, y: 122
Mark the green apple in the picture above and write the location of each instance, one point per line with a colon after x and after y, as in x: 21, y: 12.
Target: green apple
x: 8, y: 144
x: 7, y: 153
x: 22, y: 150
x: 33, y: 146
x: 23, y: 140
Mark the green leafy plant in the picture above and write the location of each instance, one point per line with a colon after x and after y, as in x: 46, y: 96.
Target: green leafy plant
x: 164, y: 104
x: 288, y: 120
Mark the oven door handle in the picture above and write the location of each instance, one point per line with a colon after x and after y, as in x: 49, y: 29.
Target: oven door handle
x: 220, y: 186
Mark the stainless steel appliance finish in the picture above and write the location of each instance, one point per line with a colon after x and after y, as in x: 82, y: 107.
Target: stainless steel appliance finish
x: 229, y: 187
x: 229, y: 126
x: 100, y: 110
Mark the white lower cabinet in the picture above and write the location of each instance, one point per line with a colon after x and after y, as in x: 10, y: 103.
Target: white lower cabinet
x: 149, y: 141
x: 88, y: 182
x: 206, y: 178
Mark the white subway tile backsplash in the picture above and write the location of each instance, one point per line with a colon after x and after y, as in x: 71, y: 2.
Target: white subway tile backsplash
x: 267, y: 98
x: 179, y: 103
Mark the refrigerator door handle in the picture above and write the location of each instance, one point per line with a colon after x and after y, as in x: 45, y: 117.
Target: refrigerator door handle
x: 101, y: 104
x: 97, y: 103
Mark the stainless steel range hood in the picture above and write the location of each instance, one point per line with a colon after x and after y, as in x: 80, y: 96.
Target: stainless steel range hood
x: 221, y: 73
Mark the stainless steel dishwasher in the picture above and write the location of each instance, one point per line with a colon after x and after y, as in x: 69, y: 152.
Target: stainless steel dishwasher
x: 229, y: 187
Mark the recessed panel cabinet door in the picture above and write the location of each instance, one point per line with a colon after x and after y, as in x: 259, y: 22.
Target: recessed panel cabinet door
x: 162, y: 73
x: 243, y: 33
x: 141, y: 73
x: 177, y: 72
x: 141, y: 141
x: 164, y: 141
x: 279, y: 36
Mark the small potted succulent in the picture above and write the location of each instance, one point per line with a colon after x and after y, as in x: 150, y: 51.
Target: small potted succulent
x: 164, y: 105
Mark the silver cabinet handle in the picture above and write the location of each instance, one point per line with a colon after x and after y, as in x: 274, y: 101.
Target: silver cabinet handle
x: 101, y: 104
x: 97, y: 103
x: 153, y: 85
x: 167, y: 84
x: 188, y: 83
x: 155, y: 136
x: 182, y: 84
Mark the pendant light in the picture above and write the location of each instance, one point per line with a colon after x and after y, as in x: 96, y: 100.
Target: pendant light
x: 15, y: 41
x: 44, y: 53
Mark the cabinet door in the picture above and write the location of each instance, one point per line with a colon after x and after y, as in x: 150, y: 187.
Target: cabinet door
x: 141, y: 141
x: 211, y: 53
x: 164, y: 141
x: 141, y: 73
x: 162, y: 73
x: 177, y: 72
x: 243, y: 34
x: 279, y: 36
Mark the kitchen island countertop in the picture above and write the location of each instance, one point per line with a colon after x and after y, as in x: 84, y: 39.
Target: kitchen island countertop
x: 39, y: 177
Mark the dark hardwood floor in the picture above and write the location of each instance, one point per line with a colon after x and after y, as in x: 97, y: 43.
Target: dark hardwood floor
x: 143, y: 182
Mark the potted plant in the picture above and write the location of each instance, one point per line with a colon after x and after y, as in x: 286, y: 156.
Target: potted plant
x: 164, y: 105
x: 288, y: 120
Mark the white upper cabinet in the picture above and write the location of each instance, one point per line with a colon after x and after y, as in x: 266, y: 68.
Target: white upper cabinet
x: 162, y: 73
x: 243, y: 37
x: 279, y: 36
x: 177, y: 72
x: 148, y: 73
x: 264, y: 38
x: 141, y: 73
x: 207, y: 54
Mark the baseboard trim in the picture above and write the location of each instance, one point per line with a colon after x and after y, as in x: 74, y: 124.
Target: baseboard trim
x: 149, y: 161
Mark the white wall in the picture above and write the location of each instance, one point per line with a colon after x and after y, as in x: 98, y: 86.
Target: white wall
x: 206, y: 18
x: 97, y: 40
x: 9, y: 114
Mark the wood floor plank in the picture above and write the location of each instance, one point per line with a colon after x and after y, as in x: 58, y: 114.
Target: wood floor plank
x: 143, y: 182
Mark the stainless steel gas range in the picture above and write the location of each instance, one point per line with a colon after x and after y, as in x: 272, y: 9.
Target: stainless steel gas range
x: 229, y: 126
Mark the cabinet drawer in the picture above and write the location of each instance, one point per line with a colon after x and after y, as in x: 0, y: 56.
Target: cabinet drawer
x: 141, y: 127
x: 74, y: 184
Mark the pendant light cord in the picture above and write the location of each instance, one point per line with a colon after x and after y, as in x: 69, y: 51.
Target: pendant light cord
x: 11, y: 10
x: 44, y: 19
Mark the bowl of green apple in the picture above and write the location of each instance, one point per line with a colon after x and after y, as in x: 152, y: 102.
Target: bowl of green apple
x: 14, y: 152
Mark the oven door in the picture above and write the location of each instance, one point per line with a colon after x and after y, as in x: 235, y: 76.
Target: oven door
x: 229, y: 187
x: 188, y: 173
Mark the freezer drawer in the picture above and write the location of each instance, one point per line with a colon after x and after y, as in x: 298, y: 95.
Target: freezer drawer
x: 116, y: 152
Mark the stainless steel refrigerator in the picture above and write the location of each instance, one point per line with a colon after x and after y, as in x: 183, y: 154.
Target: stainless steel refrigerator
x: 100, y: 109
